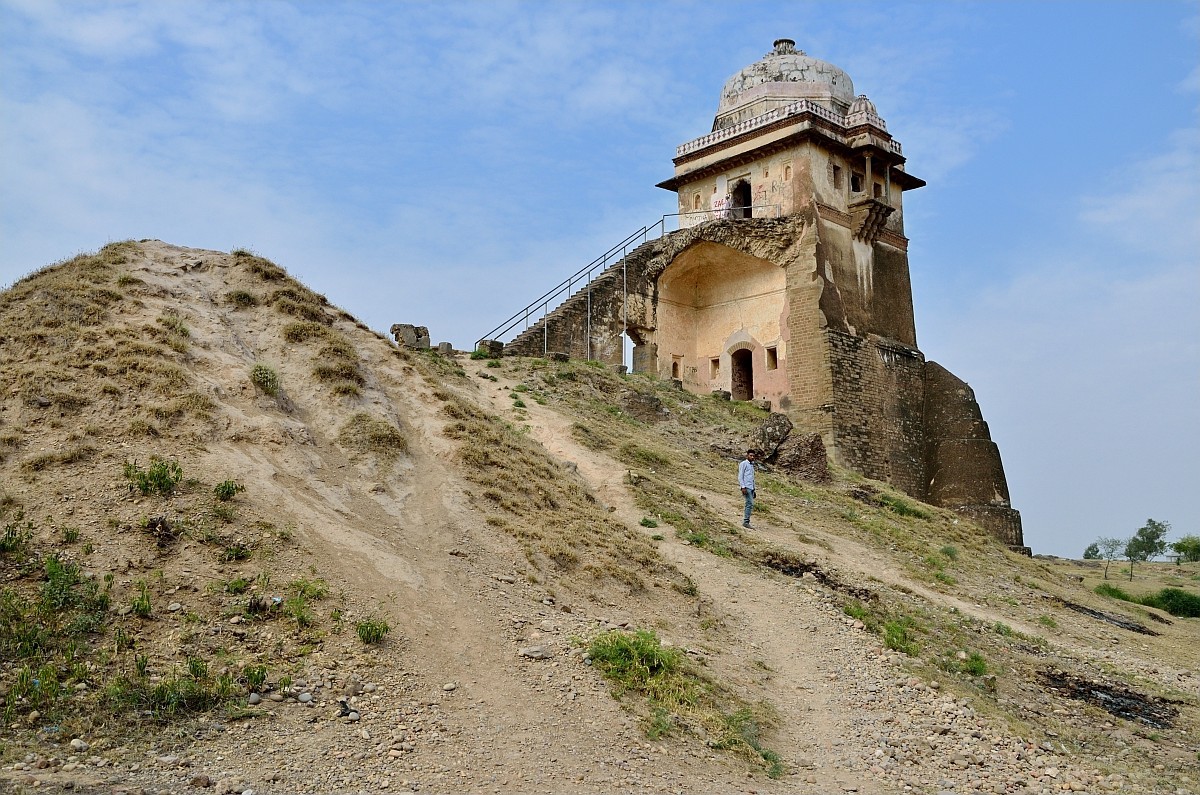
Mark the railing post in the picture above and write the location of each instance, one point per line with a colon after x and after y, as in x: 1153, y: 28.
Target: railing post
x: 624, y: 302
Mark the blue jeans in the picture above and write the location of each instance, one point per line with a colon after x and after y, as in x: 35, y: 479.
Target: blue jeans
x: 749, y: 504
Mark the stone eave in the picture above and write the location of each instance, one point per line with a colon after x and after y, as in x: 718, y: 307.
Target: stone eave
x: 810, y: 126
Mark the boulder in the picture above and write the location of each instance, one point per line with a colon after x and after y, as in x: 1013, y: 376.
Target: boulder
x: 771, y: 434
x: 645, y: 407
x: 803, y: 456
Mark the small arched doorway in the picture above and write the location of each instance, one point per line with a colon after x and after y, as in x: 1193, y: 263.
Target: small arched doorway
x: 741, y: 365
x: 740, y: 199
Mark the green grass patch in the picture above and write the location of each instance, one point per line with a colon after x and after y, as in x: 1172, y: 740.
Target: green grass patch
x: 1175, y: 601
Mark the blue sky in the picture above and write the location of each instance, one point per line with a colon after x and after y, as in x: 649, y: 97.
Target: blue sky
x: 443, y: 163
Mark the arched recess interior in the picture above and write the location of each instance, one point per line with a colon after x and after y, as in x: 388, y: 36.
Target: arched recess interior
x: 709, y: 298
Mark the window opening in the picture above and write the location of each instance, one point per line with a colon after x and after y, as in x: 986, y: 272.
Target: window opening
x: 878, y: 190
x: 714, y: 368
x: 856, y: 182
x: 837, y: 177
x: 772, y: 359
x: 787, y: 173
x: 741, y: 199
x: 675, y: 368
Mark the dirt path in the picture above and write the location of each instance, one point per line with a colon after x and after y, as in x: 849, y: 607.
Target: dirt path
x: 782, y: 627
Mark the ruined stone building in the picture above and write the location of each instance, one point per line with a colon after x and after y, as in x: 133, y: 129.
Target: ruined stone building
x: 788, y: 281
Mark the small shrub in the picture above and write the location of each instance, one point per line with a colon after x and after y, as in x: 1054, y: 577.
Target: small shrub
x: 297, y: 609
x: 236, y: 552
x: 1000, y: 628
x: 174, y: 324
x: 492, y: 363
x: 265, y: 378
x: 975, y: 664
x: 161, y: 476
x: 902, y: 507
x: 16, y: 535
x: 225, y: 490
x: 237, y: 586
x: 309, y: 589
x: 241, y: 298
x: 1047, y: 621
x: 639, y: 662
x: 950, y: 552
x: 141, y: 603
x: 648, y: 522
x: 896, y: 636
x: 303, y: 331
x: 70, y: 535
x: 255, y: 676
x: 372, y: 631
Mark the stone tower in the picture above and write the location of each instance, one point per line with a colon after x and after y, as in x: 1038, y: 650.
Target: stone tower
x: 788, y: 282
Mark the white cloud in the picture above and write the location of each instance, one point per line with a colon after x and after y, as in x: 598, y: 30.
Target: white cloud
x: 1153, y: 205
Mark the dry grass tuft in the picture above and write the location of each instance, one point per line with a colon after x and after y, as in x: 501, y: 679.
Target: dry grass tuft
x: 364, y: 433
x: 549, y: 511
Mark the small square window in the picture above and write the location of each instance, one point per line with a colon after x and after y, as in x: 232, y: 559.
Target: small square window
x: 856, y: 182
x: 878, y: 190
x: 772, y: 358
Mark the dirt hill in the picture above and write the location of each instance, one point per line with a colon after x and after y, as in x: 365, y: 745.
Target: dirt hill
x: 250, y: 544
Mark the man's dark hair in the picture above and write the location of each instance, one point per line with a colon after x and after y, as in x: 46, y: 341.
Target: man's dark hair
x: 751, y: 451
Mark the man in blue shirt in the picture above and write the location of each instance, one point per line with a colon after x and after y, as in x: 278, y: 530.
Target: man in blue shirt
x: 746, y: 482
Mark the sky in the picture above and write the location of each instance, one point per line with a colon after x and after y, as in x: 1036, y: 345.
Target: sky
x: 444, y: 163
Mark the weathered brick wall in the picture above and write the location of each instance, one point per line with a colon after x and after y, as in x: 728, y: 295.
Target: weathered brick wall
x: 878, y: 412
x: 965, y: 471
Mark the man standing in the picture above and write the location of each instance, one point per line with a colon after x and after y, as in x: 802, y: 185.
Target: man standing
x: 746, y: 482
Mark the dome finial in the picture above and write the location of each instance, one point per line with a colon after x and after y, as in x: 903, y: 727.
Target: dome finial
x: 785, y: 47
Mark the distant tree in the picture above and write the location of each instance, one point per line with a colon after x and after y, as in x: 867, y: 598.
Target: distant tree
x: 1188, y: 548
x: 1092, y: 552
x: 1110, y: 550
x: 1147, y: 543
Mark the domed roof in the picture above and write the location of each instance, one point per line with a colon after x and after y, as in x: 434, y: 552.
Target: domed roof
x: 786, y: 73
x: 862, y: 105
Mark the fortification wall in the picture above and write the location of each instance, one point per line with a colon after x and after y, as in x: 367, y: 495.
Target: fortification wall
x: 878, y: 412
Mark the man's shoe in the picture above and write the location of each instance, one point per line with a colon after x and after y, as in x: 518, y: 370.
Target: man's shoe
x: 747, y: 525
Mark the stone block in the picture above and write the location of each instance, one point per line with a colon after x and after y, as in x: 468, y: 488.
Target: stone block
x: 445, y: 348
x: 722, y: 394
x: 410, y: 336
x: 558, y: 356
x: 493, y: 348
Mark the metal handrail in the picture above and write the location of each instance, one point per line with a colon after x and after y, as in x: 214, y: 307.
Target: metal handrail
x: 575, y: 278
x: 541, y: 305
